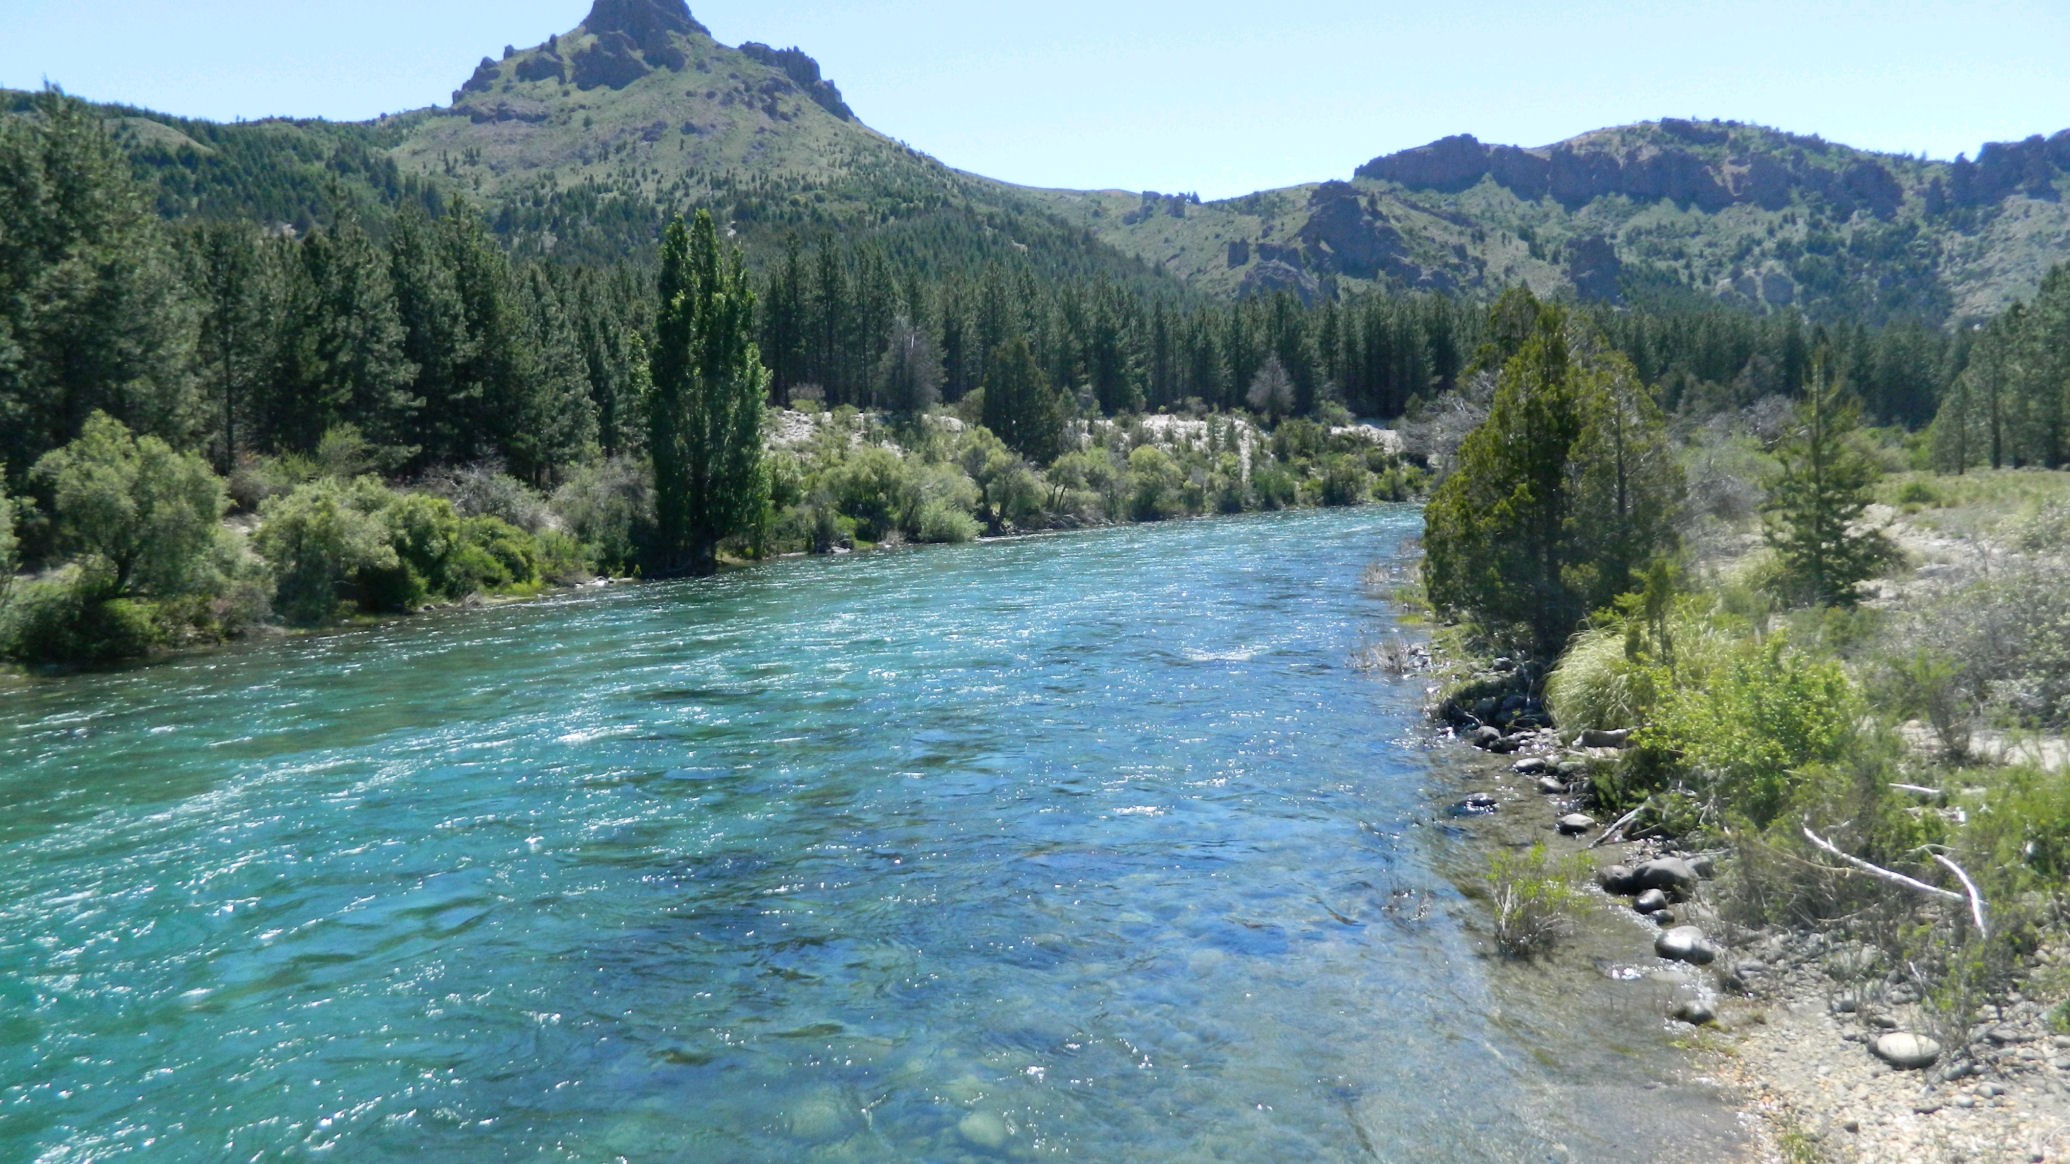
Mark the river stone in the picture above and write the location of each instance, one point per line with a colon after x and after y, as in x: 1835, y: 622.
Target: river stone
x: 1906, y: 1051
x: 1602, y: 739
x: 1685, y: 944
x: 1670, y: 874
x: 1575, y: 823
x: 1506, y: 745
x: 1651, y: 901
x: 1481, y: 801
x: 1551, y: 786
x: 819, y: 1118
x: 1486, y: 737
x: 982, y: 1129
x: 1696, y: 1013
x: 1617, y: 879
x: 1530, y: 766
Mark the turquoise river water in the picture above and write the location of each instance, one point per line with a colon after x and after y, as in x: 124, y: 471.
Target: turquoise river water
x: 1092, y: 846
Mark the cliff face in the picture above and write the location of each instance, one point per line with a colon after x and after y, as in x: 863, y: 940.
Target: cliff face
x: 1693, y: 164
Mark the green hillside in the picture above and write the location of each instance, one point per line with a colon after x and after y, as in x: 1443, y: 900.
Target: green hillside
x: 579, y: 148
x: 1752, y: 216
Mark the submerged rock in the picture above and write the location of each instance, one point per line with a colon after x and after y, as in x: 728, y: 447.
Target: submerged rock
x: 1696, y: 1013
x: 982, y: 1129
x: 1686, y: 944
x: 1906, y: 1051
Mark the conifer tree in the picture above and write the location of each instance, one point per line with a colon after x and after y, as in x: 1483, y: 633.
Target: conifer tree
x: 1816, y: 501
x: 341, y: 352
x: 436, y: 337
x: 704, y: 403
x: 240, y: 301
x: 1020, y: 406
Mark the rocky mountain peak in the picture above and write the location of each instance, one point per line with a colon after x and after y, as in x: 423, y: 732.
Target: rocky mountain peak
x: 643, y: 20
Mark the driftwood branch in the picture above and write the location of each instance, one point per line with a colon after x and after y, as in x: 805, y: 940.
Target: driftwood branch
x: 1882, y: 874
x: 1616, y: 831
x: 1976, y: 898
x: 1922, y: 791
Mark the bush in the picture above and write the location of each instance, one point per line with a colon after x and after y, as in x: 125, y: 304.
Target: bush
x: 321, y: 540
x: 1154, y: 485
x: 942, y: 522
x: 609, y: 507
x: 146, y: 514
x: 1746, y: 733
x: 70, y: 617
x: 486, y: 491
x: 1345, y: 481
x: 1537, y: 898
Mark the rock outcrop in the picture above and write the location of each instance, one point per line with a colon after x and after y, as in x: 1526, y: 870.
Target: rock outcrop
x: 633, y: 38
x: 804, y: 73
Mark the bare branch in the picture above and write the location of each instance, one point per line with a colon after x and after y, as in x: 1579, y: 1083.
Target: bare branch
x: 1880, y: 873
x: 1976, y: 898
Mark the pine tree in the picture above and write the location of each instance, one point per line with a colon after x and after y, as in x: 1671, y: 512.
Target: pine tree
x: 1021, y: 408
x: 341, y: 353
x: 93, y: 316
x: 1816, y: 501
x: 436, y: 338
x: 240, y: 302
x: 704, y: 404
x: 559, y: 418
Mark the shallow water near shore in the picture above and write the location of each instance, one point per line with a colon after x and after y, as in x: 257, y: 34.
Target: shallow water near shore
x: 1090, y: 846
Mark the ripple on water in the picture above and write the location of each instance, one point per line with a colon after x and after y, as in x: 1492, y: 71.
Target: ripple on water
x: 1058, y: 846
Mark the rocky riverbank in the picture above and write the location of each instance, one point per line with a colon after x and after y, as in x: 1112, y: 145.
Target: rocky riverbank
x: 1824, y: 1046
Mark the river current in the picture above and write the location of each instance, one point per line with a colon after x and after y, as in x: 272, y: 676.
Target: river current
x: 1092, y: 846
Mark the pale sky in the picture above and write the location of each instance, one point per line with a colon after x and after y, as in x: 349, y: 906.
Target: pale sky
x: 1209, y: 96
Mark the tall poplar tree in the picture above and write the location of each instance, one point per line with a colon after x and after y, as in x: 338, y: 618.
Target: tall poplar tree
x: 704, y: 403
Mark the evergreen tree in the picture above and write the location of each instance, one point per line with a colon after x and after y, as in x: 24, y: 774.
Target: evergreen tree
x: 1021, y: 408
x: 240, y: 301
x: 1815, y: 503
x: 341, y: 351
x: 910, y: 371
x: 559, y: 418
x: 705, y: 402
x: 436, y: 339
x: 93, y: 316
x: 1519, y: 538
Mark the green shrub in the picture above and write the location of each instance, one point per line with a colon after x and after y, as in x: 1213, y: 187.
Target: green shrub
x: 1537, y: 898
x: 1746, y: 732
x: 942, y: 522
x: 322, y: 540
x: 609, y: 507
x: 71, y: 617
x: 1345, y: 481
x: 144, y: 512
x: 1154, y: 484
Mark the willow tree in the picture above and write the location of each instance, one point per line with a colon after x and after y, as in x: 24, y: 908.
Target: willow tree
x: 704, y: 403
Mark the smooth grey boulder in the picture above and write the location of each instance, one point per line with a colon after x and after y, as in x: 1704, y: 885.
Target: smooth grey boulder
x: 1651, y: 901
x: 1530, y: 766
x: 1576, y: 823
x: 1685, y: 944
x: 1906, y: 1051
x: 1551, y: 786
x: 1617, y: 879
x: 1671, y: 875
x: 1594, y: 738
x: 1486, y: 737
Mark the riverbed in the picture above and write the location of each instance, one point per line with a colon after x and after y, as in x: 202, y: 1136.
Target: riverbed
x: 1092, y: 846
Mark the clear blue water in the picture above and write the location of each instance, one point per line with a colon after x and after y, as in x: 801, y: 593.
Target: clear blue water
x: 1089, y: 846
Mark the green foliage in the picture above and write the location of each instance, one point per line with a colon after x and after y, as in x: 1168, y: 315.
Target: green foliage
x: 1021, y: 406
x: 704, y: 403
x: 1560, y: 495
x: 1747, y: 733
x: 68, y: 617
x: 1817, y: 499
x: 1538, y: 898
x: 321, y: 539
x: 609, y: 507
x: 1154, y: 484
x: 135, y: 508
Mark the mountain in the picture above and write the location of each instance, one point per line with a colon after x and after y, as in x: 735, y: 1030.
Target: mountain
x: 1752, y: 216
x: 580, y: 147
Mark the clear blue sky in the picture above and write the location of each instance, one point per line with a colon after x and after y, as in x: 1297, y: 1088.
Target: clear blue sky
x: 1210, y: 95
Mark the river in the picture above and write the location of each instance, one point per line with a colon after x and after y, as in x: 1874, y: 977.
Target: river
x: 1089, y: 846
